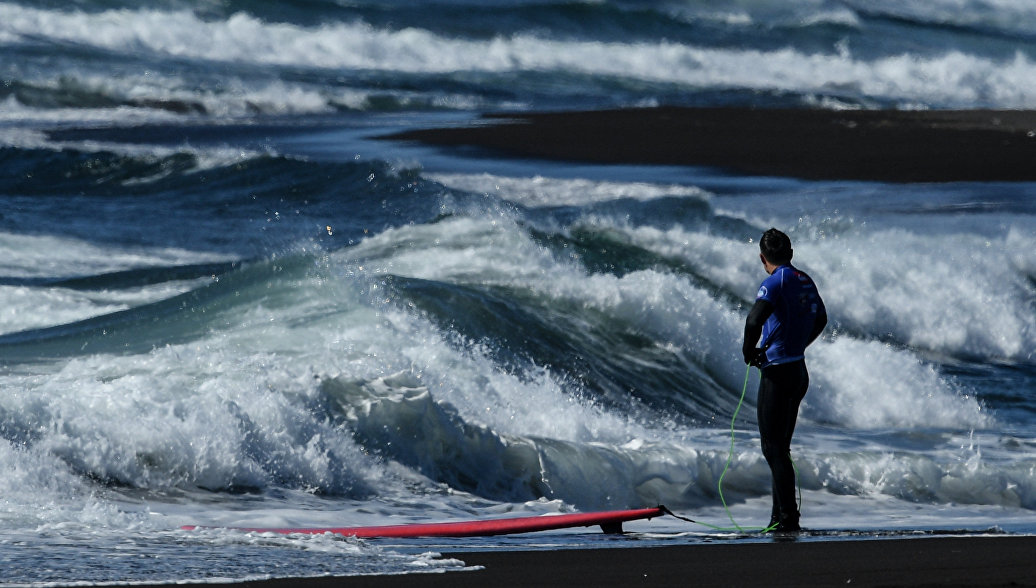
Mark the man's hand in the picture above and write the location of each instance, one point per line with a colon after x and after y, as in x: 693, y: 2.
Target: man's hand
x: 753, y: 329
x: 754, y: 356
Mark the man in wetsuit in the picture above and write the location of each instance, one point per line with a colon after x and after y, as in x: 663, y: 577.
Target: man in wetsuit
x: 787, y: 316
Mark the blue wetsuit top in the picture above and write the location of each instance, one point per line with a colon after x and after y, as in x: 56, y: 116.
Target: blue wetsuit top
x: 798, y: 314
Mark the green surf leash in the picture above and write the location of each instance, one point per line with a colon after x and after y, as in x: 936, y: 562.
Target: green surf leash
x: 730, y: 456
x: 726, y: 468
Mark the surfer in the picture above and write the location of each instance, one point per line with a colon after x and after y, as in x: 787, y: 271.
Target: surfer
x: 787, y: 316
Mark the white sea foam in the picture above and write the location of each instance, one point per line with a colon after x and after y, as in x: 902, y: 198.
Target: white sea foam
x: 933, y: 293
x: 775, y: 13
x: 859, y: 384
x: 35, y: 485
x: 498, y: 252
x: 910, y: 285
x: 182, y: 417
x: 205, y: 158
x: 28, y: 307
x: 872, y: 385
x: 1011, y: 16
x: 899, y: 390
x: 917, y: 289
x: 1020, y: 247
x: 44, y: 256
x: 540, y: 191
x: 13, y: 112
x: 1008, y: 16
x: 47, y: 256
x: 954, y: 77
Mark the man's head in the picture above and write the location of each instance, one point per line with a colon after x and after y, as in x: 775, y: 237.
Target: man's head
x: 775, y: 247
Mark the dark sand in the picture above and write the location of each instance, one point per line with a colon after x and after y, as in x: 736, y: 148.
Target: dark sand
x: 930, y: 561
x: 873, y: 145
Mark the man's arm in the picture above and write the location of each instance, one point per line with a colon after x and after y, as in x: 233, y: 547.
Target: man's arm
x: 818, y: 324
x: 754, y: 329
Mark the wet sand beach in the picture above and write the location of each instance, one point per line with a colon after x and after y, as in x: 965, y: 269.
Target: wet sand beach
x: 929, y: 561
x: 873, y: 145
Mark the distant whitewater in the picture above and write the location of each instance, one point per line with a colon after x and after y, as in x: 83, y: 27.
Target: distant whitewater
x: 239, y: 59
x: 222, y: 304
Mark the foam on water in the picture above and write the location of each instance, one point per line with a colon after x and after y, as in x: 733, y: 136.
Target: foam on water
x: 933, y: 293
x: 39, y: 488
x: 872, y: 385
x: 13, y: 112
x: 900, y: 390
x: 1012, y: 16
x: 951, y: 78
x: 1021, y: 250
x: 905, y: 286
x: 540, y: 191
x: 919, y: 290
x: 29, y: 306
x: 764, y: 12
x: 48, y: 256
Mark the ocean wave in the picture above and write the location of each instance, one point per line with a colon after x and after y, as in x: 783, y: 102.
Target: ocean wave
x: 107, y: 167
x: 1007, y: 17
x: 162, y: 431
x: 320, y: 377
x: 951, y: 77
x: 765, y: 13
x: 645, y: 301
x: 443, y: 445
x: 177, y: 311
x: 288, y: 433
x: 39, y: 305
x: 886, y: 297
x: 64, y: 262
x: 1011, y: 18
x: 539, y: 191
x: 931, y: 308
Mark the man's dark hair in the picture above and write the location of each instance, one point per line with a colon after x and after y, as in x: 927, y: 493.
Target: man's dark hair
x: 776, y: 247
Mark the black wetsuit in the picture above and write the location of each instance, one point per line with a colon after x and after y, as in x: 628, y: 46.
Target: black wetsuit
x: 789, y: 315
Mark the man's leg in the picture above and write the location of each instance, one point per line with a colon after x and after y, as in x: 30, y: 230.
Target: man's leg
x: 781, y: 390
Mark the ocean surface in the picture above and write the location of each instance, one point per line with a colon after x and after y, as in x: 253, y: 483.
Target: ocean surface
x: 224, y: 302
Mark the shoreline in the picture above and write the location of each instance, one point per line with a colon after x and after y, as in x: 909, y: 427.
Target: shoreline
x: 923, y: 561
x: 869, y: 145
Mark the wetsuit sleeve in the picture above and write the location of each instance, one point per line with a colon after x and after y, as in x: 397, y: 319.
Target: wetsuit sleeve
x: 818, y: 324
x: 754, y: 329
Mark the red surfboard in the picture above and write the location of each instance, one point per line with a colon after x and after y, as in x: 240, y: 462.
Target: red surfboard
x: 610, y: 522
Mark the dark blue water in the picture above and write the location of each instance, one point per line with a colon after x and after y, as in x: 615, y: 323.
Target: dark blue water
x: 224, y: 302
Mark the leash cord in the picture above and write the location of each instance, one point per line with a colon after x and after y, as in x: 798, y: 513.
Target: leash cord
x: 726, y: 467
x: 730, y: 458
